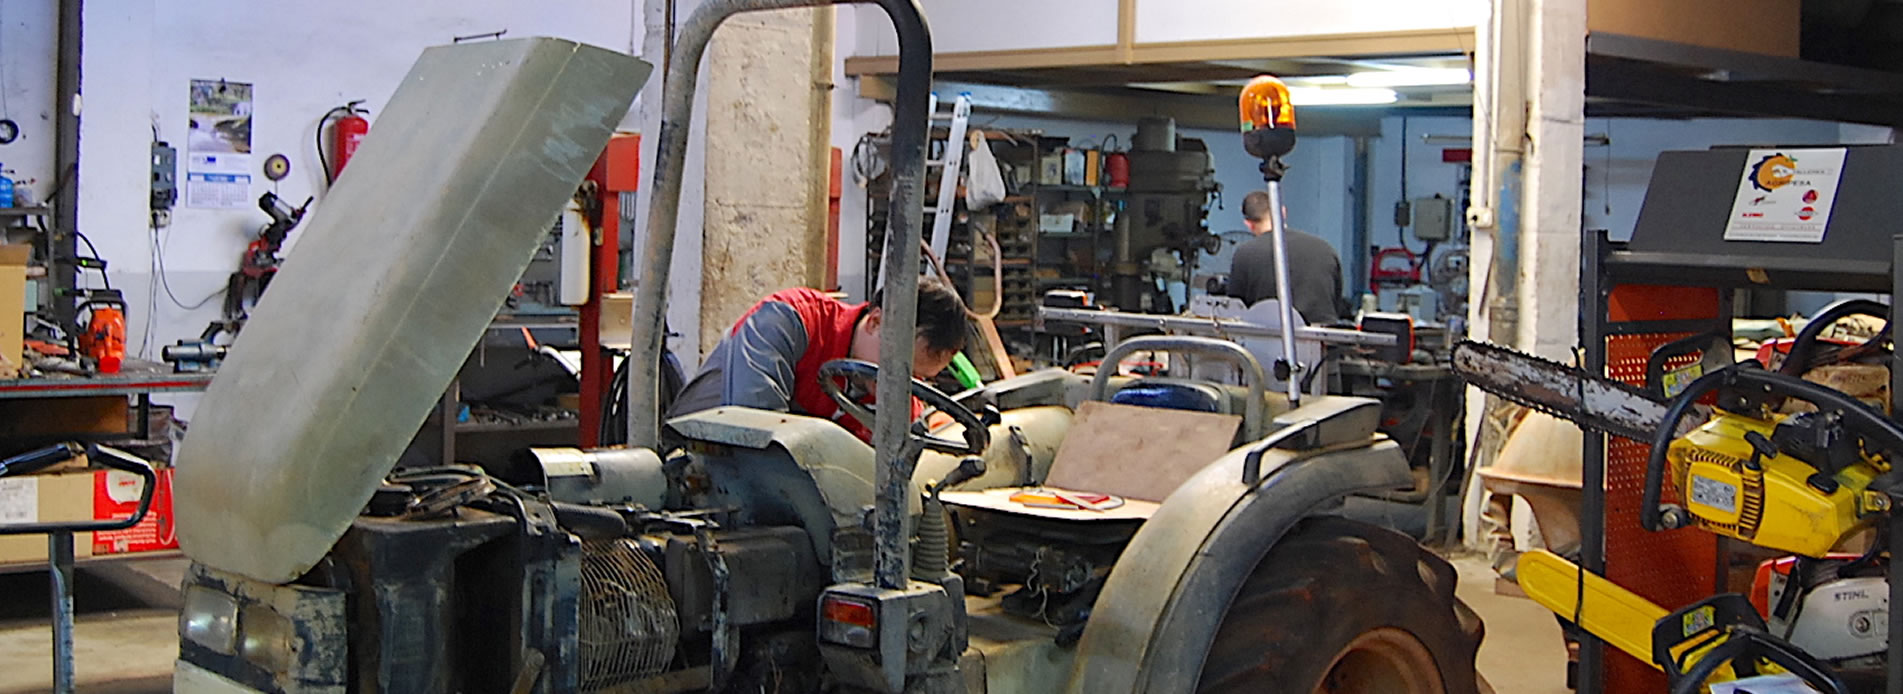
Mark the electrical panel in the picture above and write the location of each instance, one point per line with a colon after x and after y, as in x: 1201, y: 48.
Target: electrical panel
x: 1434, y: 218
x: 164, y: 182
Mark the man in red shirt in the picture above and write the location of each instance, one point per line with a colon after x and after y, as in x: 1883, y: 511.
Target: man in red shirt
x: 770, y: 359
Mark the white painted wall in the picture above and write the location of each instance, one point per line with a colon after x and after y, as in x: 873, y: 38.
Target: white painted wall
x: 989, y: 25
x: 1199, y: 20
x: 303, y: 58
x: 28, y: 46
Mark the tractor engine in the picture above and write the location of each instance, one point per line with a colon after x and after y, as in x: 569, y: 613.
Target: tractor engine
x: 1052, y: 569
x: 451, y: 576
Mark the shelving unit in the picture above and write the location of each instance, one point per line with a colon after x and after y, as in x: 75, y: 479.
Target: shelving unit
x: 1637, y: 294
x: 1674, y: 279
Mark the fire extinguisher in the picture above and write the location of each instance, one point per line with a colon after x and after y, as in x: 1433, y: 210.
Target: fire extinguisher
x: 1116, y: 166
x: 346, y: 134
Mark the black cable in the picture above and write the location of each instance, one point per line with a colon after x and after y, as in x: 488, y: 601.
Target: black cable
x: 95, y: 255
x: 158, y: 257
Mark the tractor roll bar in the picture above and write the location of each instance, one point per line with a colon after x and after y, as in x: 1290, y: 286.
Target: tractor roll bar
x: 909, y: 124
x: 670, y: 152
x: 1254, y: 413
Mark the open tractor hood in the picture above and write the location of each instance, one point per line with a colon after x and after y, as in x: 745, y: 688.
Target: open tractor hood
x: 396, y: 277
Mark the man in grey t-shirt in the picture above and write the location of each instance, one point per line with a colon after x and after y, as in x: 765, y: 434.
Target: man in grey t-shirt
x: 1314, y: 269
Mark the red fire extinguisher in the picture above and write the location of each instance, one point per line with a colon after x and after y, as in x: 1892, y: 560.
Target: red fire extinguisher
x: 1116, y: 165
x: 346, y: 134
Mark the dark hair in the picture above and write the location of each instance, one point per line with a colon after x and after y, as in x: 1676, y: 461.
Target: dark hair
x: 941, y: 315
x: 1255, y: 206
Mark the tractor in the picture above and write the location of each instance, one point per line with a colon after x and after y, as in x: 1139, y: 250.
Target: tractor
x: 743, y: 550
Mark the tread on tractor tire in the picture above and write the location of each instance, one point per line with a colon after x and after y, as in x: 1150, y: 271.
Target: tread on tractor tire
x: 1342, y: 607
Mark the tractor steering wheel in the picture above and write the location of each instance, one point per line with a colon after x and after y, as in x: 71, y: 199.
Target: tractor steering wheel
x: 977, y: 433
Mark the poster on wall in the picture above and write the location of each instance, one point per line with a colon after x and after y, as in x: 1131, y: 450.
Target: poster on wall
x: 1785, y: 195
x: 218, y: 149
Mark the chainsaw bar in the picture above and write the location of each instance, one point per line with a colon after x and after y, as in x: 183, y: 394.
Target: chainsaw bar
x: 1593, y: 402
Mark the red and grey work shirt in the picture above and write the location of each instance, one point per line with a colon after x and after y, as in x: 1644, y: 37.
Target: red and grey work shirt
x: 770, y: 359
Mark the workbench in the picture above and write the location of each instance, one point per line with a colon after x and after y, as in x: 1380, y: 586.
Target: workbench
x: 58, y: 396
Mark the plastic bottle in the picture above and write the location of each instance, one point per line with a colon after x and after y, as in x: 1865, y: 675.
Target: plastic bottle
x: 6, y: 189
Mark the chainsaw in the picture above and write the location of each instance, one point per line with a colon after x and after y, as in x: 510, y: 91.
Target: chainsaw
x: 1802, y: 483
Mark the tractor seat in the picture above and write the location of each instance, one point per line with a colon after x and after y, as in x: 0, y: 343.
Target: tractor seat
x: 1174, y: 394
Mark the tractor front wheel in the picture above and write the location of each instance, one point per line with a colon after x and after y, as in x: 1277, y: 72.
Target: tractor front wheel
x: 1340, y: 607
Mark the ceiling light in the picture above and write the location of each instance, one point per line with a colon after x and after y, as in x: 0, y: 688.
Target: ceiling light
x: 1411, y: 77
x: 1340, y: 97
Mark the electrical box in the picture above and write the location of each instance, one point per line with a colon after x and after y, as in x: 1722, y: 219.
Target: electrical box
x: 164, y: 181
x: 1434, y: 218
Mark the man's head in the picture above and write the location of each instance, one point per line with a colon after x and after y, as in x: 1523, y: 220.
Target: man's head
x: 941, y: 329
x: 1256, y: 210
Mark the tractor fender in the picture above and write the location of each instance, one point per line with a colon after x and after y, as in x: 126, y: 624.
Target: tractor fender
x: 1153, y: 625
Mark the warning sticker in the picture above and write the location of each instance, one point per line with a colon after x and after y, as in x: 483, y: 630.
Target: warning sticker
x: 19, y: 500
x: 1785, y: 195
x: 1677, y: 380
x: 1715, y: 494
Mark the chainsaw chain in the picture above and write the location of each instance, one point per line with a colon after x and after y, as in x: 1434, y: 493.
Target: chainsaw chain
x: 1496, y: 356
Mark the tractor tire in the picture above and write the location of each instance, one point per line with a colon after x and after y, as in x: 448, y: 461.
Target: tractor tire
x: 1341, y: 607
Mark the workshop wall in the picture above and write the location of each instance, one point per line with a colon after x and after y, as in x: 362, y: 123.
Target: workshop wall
x: 1215, y: 20
x: 991, y: 25
x: 28, y: 53
x: 988, y: 25
x: 303, y: 59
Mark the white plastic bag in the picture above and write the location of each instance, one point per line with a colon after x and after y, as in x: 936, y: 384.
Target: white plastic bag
x: 984, y: 184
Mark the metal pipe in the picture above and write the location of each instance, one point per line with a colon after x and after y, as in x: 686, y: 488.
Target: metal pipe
x: 1278, y: 226
x: 59, y: 552
x: 899, y: 322
x: 1211, y: 326
x: 62, y: 242
x: 670, y: 155
x: 1592, y: 500
x: 1894, y: 666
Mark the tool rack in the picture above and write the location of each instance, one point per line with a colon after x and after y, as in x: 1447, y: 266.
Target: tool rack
x: 1675, y: 278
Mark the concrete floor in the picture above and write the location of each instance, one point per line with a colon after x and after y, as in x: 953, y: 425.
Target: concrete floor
x: 125, y: 644
x: 1523, y: 652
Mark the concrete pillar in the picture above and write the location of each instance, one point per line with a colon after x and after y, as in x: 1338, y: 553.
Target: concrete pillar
x: 1549, y: 225
x: 767, y: 138
x: 1529, y: 129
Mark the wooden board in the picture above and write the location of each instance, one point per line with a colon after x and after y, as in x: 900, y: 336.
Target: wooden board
x: 1138, y: 452
x: 987, y: 352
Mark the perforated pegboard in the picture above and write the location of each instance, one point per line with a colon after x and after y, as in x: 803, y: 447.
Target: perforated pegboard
x: 1672, y: 568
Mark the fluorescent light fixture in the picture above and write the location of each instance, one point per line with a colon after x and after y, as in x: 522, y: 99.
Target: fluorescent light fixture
x: 1306, y: 96
x: 1411, y: 77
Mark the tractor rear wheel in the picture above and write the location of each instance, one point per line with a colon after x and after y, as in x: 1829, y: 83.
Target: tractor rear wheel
x: 1340, y: 607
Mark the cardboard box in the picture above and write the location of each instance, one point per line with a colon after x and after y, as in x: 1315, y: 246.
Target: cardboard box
x: 80, y: 496
x: 12, y: 306
x: 1754, y: 26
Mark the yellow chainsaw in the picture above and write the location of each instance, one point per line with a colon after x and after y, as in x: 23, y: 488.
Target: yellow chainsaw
x: 1800, y: 483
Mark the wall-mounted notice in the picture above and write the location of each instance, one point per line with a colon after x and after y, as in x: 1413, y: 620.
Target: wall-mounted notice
x: 218, y: 150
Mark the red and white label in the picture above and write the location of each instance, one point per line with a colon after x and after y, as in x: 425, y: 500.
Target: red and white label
x: 116, y: 496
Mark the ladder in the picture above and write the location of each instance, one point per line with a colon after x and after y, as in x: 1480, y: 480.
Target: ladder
x: 953, y: 163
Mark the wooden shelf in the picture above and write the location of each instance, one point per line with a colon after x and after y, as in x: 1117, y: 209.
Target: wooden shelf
x: 33, y: 211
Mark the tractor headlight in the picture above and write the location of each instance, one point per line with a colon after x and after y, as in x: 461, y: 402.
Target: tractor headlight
x: 210, y: 619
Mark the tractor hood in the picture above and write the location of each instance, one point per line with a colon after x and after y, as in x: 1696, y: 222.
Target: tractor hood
x: 393, y: 280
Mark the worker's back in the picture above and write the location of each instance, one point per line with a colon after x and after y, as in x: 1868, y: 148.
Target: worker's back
x: 1314, y: 274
